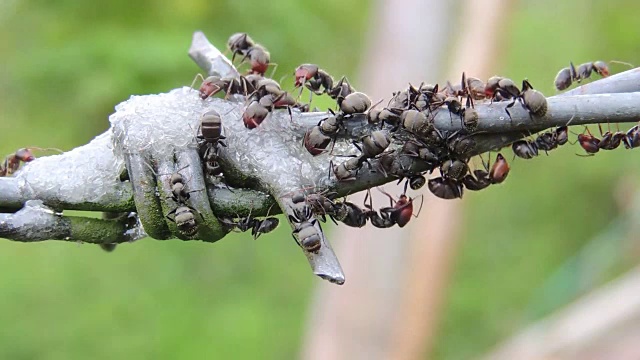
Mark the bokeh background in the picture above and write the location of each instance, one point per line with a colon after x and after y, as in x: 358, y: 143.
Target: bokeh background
x: 558, y: 228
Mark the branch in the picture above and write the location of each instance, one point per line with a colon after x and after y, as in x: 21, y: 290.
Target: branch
x: 128, y: 168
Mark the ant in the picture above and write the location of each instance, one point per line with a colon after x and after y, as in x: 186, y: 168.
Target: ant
x: 566, y: 76
x: 378, y: 219
x: 400, y: 210
x: 589, y: 143
x: 499, y: 170
x: 610, y: 141
x: 546, y: 141
x: 185, y: 219
x: 210, y: 138
x: 313, y: 78
x: 257, y: 227
x: 632, y: 138
x: 478, y: 179
x: 445, y: 188
x: 259, y: 57
x: 178, y: 192
x: 12, y: 162
x: 347, y: 170
x: 231, y: 86
x: 304, y: 227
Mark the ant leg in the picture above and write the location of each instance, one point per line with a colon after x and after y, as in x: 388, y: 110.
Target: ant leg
x: 506, y: 109
x: 215, y: 92
x: 296, y: 240
x: 171, y: 213
x: 421, y: 203
x: 275, y: 66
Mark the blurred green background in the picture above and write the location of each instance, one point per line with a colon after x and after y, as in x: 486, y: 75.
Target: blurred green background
x: 66, y: 64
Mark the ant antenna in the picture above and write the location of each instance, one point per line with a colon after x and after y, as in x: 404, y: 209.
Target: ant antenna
x: 196, y: 78
x: 621, y: 62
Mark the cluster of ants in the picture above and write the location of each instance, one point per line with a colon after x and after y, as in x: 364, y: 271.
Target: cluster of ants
x: 408, y: 116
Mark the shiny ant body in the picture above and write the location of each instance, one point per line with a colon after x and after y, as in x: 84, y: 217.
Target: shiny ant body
x: 257, y: 227
x: 568, y: 75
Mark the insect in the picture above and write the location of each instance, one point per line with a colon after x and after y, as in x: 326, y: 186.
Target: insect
x: 316, y: 141
x: 378, y: 219
x: 475, y: 88
x: 347, y: 170
x: 401, y: 210
x: 321, y: 204
x: 305, y: 228
x: 211, y: 132
x: 498, y: 87
x: 525, y: 149
x: 354, y: 103
x: 254, y: 115
x: 445, y: 188
x: 632, y: 138
x: 211, y: 137
x: 259, y: 58
x: 610, y: 140
x: 374, y: 144
x: 499, y: 170
x: 588, y: 142
x: 416, y: 122
x: 477, y: 180
x: 185, y: 219
x: 566, y: 76
x: 231, y: 85
x: 454, y: 169
x: 416, y: 182
x: 313, y: 78
x: 350, y: 214
x: 239, y: 43
x: 257, y: 227
x: 318, y: 138
x: 584, y: 70
x: 460, y: 145
x: 533, y: 100
x: 178, y: 192
x: 12, y: 162
x: 340, y: 91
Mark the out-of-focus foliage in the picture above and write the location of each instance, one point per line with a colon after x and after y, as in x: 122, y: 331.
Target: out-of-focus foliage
x: 65, y: 64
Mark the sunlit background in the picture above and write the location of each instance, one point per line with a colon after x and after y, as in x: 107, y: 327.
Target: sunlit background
x: 558, y: 228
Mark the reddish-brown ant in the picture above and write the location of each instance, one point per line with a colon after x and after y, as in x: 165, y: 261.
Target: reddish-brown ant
x: 12, y: 162
x: 499, y: 170
x: 401, y: 210
x: 588, y: 142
